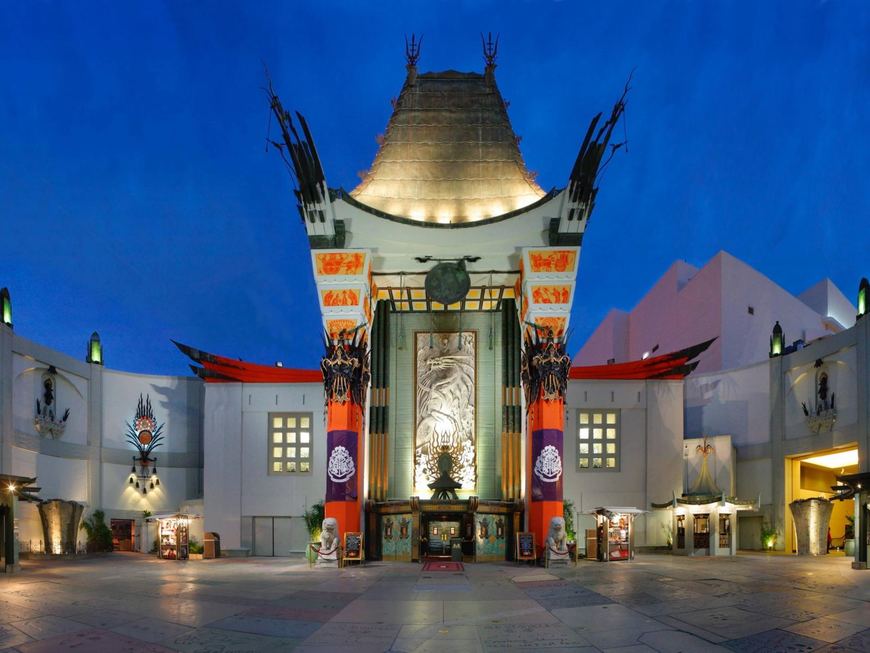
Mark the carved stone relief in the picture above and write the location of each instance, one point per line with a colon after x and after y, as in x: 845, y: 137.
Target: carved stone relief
x: 445, y: 406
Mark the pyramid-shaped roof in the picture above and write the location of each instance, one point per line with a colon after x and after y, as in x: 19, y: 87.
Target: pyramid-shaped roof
x: 449, y: 153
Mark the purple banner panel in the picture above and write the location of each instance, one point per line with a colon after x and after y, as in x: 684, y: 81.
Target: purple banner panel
x: 547, y: 465
x: 341, y: 466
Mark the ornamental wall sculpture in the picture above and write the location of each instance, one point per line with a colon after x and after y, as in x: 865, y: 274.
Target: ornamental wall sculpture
x: 345, y: 367
x: 146, y: 435
x: 545, y: 366
x: 821, y: 413
x: 445, y: 406
x: 46, y: 421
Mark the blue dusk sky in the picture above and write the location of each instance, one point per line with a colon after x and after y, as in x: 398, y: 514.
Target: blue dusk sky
x: 137, y: 197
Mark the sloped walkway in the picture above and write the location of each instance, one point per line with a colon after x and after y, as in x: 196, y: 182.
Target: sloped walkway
x: 655, y: 603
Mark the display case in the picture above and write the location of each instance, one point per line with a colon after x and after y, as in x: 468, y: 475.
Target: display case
x: 618, y: 540
x: 615, y: 533
x: 173, y: 536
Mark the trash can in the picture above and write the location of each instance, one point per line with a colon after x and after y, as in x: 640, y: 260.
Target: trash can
x: 456, y: 549
x: 211, y: 546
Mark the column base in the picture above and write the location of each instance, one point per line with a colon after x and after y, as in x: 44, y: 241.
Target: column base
x: 346, y: 513
x: 540, y: 515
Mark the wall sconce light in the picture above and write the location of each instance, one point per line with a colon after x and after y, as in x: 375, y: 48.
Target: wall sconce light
x: 776, y: 340
x: 95, y: 350
x: 5, y: 307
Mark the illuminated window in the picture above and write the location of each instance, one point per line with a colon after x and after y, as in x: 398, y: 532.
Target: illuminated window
x: 290, y: 443
x: 598, y: 440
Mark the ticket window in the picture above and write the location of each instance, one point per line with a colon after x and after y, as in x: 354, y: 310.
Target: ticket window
x: 724, y: 531
x: 702, y: 531
x: 681, y: 531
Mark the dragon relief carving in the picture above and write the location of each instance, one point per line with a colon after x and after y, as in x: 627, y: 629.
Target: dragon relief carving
x: 445, y: 403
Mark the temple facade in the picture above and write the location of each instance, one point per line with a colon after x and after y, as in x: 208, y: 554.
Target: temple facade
x: 446, y: 414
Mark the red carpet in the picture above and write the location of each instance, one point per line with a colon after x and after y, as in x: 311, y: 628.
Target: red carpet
x: 443, y: 566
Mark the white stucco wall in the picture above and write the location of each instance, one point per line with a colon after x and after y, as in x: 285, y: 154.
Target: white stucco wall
x: 237, y: 480
x: 689, y: 305
x: 651, y: 440
x: 734, y: 402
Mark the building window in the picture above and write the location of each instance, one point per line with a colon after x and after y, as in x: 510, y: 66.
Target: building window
x: 290, y: 443
x: 598, y: 440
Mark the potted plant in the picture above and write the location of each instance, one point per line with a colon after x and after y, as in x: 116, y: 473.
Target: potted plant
x: 849, y: 538
x: 570, y: 535
x: 194, y: 549
x: 313, y: 522
x: 768, y: 537
x: 99, y: 534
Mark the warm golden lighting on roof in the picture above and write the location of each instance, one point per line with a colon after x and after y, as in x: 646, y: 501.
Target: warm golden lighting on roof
x: 449, y: 153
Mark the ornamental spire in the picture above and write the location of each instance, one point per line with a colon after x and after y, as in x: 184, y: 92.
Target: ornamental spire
x: 490, y: 52
x: 412, y: 56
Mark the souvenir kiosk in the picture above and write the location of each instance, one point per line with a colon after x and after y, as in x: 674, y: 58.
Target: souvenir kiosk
x: 173, y: 535
x: 615, y: 532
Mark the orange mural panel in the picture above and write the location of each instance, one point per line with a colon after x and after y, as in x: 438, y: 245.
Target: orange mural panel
x: 557, y: 324
x: 340, y: 297
x: 559, y: 260
x: 339, y: 263
x: 560, y: 294
x: 334, y: 327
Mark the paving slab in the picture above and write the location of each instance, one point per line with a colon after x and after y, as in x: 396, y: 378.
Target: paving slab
x: 497, y: 637
x: 731, y: 622
x: 283, y: 628
x: 92, y: 641
x: 605, y: 617
x: 827, y: 629
x: 675, y: 641
x: 49, y: 626
x: 525, y: 611
x: 152, y: 630
x: 10, y: 636
x: 775, y: 641
x: 216, y: 640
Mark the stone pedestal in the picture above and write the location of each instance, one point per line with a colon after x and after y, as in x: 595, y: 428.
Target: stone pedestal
x: 811, y: 520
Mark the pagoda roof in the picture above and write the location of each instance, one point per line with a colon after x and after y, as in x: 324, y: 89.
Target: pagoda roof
x: 449, y: 153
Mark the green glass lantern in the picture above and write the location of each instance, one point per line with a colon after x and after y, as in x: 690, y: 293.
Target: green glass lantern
x: 863, y: 291
x: 776, y: 340
x: 95, y: 349
x: 5, y: 307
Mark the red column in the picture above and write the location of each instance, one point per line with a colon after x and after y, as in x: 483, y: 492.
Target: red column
x: 343, y: 499
x: 546, y: 423
x: 346, y: 378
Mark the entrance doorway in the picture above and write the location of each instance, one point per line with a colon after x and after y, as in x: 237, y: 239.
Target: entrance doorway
x: 812, y: 475
x: 438, y: 536
x: 123, y: 534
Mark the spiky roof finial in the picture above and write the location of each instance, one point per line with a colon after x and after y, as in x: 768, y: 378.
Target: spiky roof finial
x: 490, y: 49
x: 412, y: 49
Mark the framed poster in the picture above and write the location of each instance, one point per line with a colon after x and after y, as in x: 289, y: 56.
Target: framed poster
x: 353, y: 546
x: 526, y: 546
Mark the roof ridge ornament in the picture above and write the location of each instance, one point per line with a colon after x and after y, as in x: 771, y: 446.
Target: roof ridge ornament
x: 412, y: 55
x: 490, y: 49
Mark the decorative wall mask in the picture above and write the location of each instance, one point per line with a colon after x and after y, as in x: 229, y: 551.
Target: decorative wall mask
x: 146, y: 435
x: 445, y: 404
x: 545, y: 366
x: 821, y: 414
x: 345, y: 367
x: 46, y: 421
